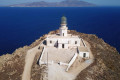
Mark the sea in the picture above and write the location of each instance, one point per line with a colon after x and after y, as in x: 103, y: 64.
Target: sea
x: 20, y: 26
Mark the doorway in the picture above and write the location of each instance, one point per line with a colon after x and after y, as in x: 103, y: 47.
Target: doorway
x: 63, y: 34
x: 63, y: 45
x: 84, y: 54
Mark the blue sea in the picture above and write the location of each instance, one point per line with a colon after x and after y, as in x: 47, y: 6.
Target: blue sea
x: 22, y: 26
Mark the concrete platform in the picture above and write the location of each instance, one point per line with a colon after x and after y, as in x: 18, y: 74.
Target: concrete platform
x: 58, y: 55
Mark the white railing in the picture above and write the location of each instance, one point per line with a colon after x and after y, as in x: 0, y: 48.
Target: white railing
x: 83, y: 42
x: 72, y: 61
x: 49, y: 62
x: 41, y: 55
x: 65, y: 64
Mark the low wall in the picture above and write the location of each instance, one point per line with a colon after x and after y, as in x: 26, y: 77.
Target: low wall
x: 83, y: 43
x: 72, y: 61
x: 81, y: 54
x: 42, y: 41
x: 41, y: 56
x: 64, y: 64
x: 50, y: 62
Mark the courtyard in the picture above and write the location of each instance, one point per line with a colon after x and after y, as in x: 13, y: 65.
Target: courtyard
x: 58, y: 55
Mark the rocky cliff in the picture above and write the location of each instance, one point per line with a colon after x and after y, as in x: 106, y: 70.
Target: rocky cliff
x: 106, y: 65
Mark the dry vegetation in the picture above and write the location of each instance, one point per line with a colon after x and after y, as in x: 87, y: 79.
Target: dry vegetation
x: 37, y: 72
x: 105, y: 67
x: 12, y: 65
x: 107, y: 60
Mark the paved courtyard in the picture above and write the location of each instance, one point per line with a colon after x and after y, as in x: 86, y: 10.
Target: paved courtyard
x: 58, y: 55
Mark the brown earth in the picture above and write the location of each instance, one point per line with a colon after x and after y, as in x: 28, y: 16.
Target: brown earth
x: 106, y: 65
x: 107, y: 60
x: 12, y: 65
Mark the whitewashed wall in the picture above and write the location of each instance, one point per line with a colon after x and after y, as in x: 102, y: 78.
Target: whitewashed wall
x: 72, y: 61
x: 40, y: 60
x: 54, y: 42
x: 60, y: 46
x: 81, y: 54
x: 66, y: 46
x: 64, y: 64
x: 45, y: 62
x: 63, y: 31
x: 71, y: 42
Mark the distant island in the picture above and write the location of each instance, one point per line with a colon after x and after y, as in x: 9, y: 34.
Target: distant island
x: 65, y: 3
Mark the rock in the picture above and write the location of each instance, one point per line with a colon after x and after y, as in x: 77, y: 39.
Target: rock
x: 106, y: 65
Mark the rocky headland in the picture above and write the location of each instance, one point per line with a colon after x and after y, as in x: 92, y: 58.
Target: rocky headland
x: 65, y: 3
x: 106, y: 65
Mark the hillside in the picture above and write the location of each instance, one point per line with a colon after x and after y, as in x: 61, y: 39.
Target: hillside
x: 106, y: 65
x: 66, y: 3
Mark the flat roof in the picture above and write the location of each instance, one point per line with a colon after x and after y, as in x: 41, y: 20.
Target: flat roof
x: 58, y: 36
x: 83, y: 49
x: 62, y: 41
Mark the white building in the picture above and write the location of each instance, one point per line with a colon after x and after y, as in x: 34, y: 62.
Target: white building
x: 63, y: 40
x: 63, y: 48
x: 83, y: 52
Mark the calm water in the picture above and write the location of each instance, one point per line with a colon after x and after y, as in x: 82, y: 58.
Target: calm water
x: 22, y: 26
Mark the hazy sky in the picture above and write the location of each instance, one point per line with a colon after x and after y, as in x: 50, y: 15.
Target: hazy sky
x: 97, y: 2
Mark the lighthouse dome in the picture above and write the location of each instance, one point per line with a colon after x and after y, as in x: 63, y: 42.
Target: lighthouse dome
x: 63, y: 20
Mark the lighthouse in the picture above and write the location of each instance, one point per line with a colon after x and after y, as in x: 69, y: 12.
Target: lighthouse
x: 63, y: 29
x: 63, y: 40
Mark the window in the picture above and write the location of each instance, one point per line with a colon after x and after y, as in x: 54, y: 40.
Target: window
x: 50, y: 41
x: 75, y: 42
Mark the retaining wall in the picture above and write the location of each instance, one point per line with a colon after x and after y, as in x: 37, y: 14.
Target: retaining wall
x: 41, y: 56
x: 72, y: 61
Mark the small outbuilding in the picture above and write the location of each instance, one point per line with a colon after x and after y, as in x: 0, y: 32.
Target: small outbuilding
x: 83, y: 52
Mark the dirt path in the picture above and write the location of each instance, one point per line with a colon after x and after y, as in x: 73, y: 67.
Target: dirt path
x: 28, y: 63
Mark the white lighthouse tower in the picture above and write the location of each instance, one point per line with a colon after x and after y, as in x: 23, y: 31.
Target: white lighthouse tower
x: 63, y: 29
